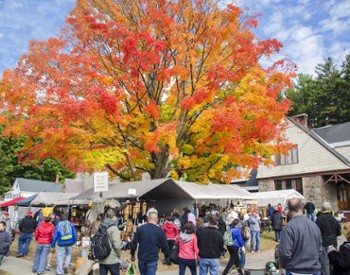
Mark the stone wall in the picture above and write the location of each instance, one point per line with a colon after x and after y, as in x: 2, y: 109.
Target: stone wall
x: 315, y: 191
x: 266, y: 185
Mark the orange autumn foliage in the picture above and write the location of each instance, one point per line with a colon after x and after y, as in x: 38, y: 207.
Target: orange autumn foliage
x: 151, y: 86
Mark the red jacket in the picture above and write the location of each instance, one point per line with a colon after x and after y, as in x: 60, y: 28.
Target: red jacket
x: 44, y: 233
x: 170, y: 230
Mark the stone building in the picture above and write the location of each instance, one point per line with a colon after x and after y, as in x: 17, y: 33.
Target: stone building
x: 315, y: 168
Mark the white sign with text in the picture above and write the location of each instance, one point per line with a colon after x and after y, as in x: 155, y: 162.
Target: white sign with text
x: 100, y: 181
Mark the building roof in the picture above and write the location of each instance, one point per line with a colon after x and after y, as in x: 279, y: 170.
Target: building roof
x: 334, y: 133
x: 73, y: 186
x: 321, y: 141
x: 36, y: 186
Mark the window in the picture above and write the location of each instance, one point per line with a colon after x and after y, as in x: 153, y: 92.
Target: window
x: 278, y: 185
x: 296, y: 184
x: 290, y: 158
x: 299, y: 186
x: 288, y: 184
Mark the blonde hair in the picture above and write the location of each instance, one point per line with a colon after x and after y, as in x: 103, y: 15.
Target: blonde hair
x: 346, y: 230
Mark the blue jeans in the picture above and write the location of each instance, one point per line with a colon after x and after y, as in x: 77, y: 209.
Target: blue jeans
x: 206, y: 264
x: 311, y: 216
x: 63, y: 250
x: 255, y: 236
x: 112, y: 268
x: 40, y: 257
x: 183, y: 263
x: 148, y: 268
x: 278, y: 235
x: 24, y: 242
x: 2, y: 257
x: 241, y: 258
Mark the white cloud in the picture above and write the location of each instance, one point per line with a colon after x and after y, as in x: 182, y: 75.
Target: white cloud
x: 336, y: 26
x: 340, y: 9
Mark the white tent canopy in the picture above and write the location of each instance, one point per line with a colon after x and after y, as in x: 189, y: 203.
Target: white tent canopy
x: 276, y: 197
x: 52, y: 198
x: 167, y: 194
x: 214, y: 191
x: 167, y: 189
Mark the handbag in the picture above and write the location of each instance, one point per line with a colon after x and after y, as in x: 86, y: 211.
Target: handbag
x: 174, y: 254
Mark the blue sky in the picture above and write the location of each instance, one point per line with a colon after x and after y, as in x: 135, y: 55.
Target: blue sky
x: 310, y: 30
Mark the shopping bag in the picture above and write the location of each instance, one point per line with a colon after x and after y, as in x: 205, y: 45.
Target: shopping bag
x: 131, y: 269
x: 174, y: 254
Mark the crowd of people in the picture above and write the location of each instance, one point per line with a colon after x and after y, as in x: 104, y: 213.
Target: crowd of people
x: 306, y: 243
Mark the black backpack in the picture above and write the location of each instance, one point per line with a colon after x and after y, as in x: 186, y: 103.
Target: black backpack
x: 100, y: 245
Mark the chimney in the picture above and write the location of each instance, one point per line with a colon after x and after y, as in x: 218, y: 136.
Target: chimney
x: 57, y: 179
x: 301, y: 119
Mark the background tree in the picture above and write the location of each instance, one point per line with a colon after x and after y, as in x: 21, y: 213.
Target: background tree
x: 11, y: 166
x: 151, y: 86
x: 326, y: 97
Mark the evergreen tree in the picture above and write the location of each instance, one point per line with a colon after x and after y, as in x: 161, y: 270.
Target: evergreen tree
x: 11, y: 166
x: 324, y: 98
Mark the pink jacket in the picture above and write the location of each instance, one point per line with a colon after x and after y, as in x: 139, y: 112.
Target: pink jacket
x: 170, y: 230
x: 188, y: 248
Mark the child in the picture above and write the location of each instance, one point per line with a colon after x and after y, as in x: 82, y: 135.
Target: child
x: 5, y: 240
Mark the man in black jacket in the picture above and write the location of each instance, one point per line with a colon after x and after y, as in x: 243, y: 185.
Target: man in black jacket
x: 330, y: 230
x: 148, y: 239
x: 210, y: 245
x: 27, y: 227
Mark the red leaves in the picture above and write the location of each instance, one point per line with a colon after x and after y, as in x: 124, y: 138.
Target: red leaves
x: 109, y: 103
x: 153, y: 109
x: 144, y: 78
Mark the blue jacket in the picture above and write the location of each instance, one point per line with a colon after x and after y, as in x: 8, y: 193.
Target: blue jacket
x: 57, y: 236
x: 237, y: 237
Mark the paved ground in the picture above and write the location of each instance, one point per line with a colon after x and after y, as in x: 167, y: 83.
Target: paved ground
x: 20, y: 266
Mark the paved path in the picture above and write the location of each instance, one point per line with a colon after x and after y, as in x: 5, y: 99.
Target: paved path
x: 20, y: 266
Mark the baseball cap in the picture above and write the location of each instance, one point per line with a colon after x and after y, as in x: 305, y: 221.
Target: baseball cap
x: 29, y: 213
x: 326, y: 206
x: 5, y: 213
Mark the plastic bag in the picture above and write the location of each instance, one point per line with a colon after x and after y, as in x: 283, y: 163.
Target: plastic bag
x: 131, y: 269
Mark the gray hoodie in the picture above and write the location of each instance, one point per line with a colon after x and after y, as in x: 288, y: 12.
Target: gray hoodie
x: 254, y: 223
x: 184, y: 237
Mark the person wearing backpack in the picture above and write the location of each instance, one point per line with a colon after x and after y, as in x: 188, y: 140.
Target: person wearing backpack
x: 177, y: 219
x: 66, y: 236
x: 237, y: 243
x: 112, y: 242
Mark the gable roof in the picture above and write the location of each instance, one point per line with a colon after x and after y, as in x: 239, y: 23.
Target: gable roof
x: 317, y: 138
x: 73, y: 186
x: 36, y: 186
x: 334, y: 133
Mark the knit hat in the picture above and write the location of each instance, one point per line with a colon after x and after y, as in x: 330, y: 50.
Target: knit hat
x: 326, y: 206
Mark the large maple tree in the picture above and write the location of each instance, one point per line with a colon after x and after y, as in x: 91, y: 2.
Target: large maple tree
x: 151, y: 86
